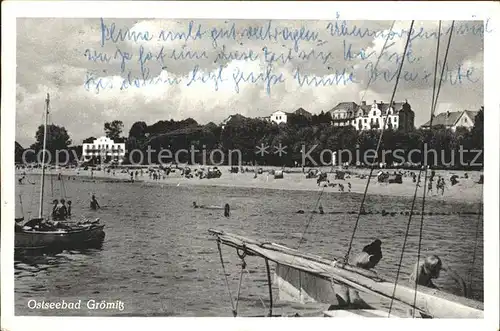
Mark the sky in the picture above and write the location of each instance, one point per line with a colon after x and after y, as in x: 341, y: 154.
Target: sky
x: 61, y: 57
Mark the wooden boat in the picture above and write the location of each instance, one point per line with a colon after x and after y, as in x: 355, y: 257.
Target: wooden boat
x: 40, y: 233
x: 78, y: 236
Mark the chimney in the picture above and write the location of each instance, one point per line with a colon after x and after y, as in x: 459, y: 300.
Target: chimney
x: 363, y: 103
x: 447, y: 113
x: 394, y: 103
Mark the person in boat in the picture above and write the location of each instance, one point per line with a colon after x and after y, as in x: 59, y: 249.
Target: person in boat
x: 370, y: 256
x: 430, y: 268
x: 93, y: 203
x: 427, y: 270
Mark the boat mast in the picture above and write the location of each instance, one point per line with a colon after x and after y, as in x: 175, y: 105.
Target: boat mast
x: 40, y: 211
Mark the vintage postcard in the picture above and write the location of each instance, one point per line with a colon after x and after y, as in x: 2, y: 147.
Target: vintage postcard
x: 274, y: 159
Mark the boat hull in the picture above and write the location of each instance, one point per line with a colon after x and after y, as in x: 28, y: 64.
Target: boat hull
x: 90, y: 236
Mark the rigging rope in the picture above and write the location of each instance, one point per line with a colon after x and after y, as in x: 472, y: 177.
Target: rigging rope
x: 471, y: 270
x: 21, y: 202
x: 225, y: 276
x: 260, y: 298
x: 269, y: 284
x: 418, y: 181
x: 304, y: 232
x: 346, y: 257
x: 243, y: 267
x: 426, y: 167
x: 63, y: 188
x: 378, y: 60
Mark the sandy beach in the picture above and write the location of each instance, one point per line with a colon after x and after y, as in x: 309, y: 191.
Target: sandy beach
x: 466, y: 190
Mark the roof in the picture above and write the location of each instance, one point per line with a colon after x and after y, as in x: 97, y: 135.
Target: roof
x: 303, y: 112
x: 397, y: 106
x: 235, y: 117
x: 450, y: 118
x: 472, y: 115
x: 349, y: 106
x: 354, y: 107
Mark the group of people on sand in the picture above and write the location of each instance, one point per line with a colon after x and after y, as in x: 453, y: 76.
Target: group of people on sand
x: 423, y: 273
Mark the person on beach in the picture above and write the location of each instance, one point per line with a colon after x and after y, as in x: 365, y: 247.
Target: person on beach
x: 69, y: 208
x: 429, y: 186
x: 442, y: 185
x: 427, y: 270
x: 20, y: 180
x: 93, y: 203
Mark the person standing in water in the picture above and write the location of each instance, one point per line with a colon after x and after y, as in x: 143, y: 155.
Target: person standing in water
x: 63, y: 211
x: 55, y: 205
x: 69, y: 208
x: 93, y: 203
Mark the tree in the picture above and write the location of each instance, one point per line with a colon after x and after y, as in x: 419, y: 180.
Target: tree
x: 113, y: 129
x: 57, y: 139
x: 477, y: 130
x: 18, y: 150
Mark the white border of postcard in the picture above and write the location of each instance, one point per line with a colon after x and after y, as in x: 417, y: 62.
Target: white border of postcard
x: 374, y: 10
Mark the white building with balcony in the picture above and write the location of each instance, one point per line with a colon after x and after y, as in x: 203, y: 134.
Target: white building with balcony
x: 399, y: 115
x: 104, y: 149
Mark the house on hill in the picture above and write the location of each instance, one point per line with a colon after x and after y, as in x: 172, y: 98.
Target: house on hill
x: 344, y: 113
x: 279, y: 116
x: 302, y: 112
x: 232, y: 119
x: 104, y: 148
x: 399, y: 115
x: 453, y: 120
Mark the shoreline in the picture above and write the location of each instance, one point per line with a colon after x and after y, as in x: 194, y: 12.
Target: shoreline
x: 467, y: 190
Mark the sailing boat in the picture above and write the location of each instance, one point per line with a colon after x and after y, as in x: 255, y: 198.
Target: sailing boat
x: 308, y: 278
x: 42, y: 234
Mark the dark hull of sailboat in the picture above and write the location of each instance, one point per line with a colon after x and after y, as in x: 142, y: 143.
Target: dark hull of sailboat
x: 85, y: 237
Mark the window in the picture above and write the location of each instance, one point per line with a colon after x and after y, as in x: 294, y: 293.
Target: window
x: 374, y: 113
x: 366, y: 121
x: 465, y: 119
